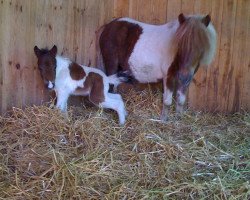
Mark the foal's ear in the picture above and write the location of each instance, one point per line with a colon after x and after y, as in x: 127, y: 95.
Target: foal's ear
x: 37, y: 51
x: 181, y: 18
x: 53, y: 51
x: 206, y: 20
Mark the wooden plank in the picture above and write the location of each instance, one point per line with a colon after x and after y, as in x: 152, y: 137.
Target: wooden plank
x: 121, y: 8
x: 1, y: 55
x: 226, y: 47
x: 187, y: 7
x: 159, y: 11
x: 12, y: 68
x: 239, y: 95
x: 173, y: 9
x: 245, y: 95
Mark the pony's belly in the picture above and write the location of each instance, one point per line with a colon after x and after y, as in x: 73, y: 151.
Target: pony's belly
x: 146, y: 73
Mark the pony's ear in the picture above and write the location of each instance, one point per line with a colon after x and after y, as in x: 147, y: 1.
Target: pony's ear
x: 53, y: 51
x: 181, y: 18
x: 37, y: 51
x: 206, y: 20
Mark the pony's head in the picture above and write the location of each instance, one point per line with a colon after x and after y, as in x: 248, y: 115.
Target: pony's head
x: 193, y: 46
x: 47, y: 65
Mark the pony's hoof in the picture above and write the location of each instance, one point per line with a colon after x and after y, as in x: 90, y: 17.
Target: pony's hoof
x: 164, y: 118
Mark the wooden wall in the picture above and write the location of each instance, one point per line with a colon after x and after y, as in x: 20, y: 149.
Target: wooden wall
x: 71, y: 25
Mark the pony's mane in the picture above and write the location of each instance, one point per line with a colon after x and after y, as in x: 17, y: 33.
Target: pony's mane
x: 192, y: 41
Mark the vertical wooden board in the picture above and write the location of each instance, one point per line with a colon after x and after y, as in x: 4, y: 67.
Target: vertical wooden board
x: 1, y: 52
x: 159, y: 11
x: 173, y: 9
x: 145, y: 14
x: 91, y: 18
x: 187, y: 7
x: 12, y: 71
x: 246, y: 80
x: 154, y: 11
x: 133, y: 9
x: 121, y: 8
x: 108, y: 10
x: 77, y: 31
x: 226, y: 70
x: 241, y: 56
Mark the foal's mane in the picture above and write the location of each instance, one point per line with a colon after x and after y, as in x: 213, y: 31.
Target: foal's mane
x: 191, y: 40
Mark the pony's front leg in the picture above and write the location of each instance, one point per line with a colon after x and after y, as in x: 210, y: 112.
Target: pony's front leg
x: 181, y: 98
x: 184, y: 80
x: 167, y: 100
x: 62, y: 98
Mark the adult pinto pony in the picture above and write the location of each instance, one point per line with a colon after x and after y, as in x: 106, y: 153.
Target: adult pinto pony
x: 171, y: 52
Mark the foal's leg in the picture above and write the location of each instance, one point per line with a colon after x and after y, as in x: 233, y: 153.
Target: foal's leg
x: 114, y: 102
x: 167, y: 99
x: 62, y: 98
x: 118, y: 97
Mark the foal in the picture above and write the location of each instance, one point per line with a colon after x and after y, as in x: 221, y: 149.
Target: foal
x: 69, y: 78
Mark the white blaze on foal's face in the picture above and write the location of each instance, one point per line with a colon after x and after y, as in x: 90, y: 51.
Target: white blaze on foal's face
x: 50, y: 85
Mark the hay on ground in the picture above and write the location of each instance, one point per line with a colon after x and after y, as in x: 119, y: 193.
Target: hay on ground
x: 88, y: 156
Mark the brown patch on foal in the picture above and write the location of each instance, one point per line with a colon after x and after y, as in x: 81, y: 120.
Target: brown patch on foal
x: 117, y: 42
x: 76, y: 71
x: 93, y: 87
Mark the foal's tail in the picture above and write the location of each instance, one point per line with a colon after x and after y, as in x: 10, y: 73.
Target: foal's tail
x: 120, y: 77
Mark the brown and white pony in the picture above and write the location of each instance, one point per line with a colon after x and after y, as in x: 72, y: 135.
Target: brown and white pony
x: 69, y: 78
x: 171, y: 52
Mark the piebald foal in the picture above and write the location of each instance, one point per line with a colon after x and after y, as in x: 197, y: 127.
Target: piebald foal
x: 69, y: 78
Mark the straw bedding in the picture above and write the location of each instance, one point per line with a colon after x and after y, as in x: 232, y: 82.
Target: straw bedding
x: 88, y: 156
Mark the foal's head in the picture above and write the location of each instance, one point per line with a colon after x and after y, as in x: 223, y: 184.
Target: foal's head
x: 47, y: 65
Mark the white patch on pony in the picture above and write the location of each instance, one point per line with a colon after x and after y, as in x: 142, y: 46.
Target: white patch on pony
x: 147, y: 66
x: 167, y: 97
x: 181, y: 98
x: 50, y: 85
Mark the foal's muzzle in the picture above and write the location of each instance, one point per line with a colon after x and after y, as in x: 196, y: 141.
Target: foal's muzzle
x: 50, y: 85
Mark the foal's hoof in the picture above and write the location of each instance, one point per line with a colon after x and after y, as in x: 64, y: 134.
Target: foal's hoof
x: 121, y: 124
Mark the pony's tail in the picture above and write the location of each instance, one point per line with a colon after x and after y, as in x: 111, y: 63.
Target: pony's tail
x: 99, y: 61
